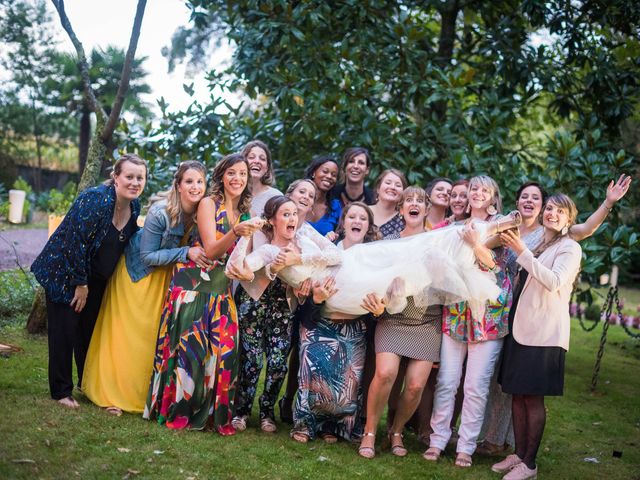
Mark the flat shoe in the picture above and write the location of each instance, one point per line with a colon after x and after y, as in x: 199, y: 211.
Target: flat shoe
x: 367, y: 452
x: 115, y: 411
x: 69, y: 402
x: 239, y: 423
x: 300, y: 437
x: 507, y: 464
x: 463, y: 460
x: 432, y: 454
x: 268, y: 426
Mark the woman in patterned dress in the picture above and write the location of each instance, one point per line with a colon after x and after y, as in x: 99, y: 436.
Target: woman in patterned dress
x: 196, y: 362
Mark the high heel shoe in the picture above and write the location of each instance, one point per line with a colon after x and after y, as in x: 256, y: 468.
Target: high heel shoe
x: 398, y: 448
x: 286, y: 413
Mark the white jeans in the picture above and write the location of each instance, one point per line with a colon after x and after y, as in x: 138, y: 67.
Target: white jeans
x: 481, y: 361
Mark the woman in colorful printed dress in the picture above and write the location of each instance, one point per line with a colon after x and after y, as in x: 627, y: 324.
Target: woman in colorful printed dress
x: 388, y: 187
x: 414, y: 334
x: 76, y: 263
x: 475, y: 335
x: 265, y: 330
x: 196, y: 362
x: 119, y: 360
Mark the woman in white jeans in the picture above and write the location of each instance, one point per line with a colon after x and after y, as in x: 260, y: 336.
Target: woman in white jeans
x: 474, y: 333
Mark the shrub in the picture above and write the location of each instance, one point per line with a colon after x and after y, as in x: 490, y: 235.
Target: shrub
x: 592, y: 312
x: 16, y: 295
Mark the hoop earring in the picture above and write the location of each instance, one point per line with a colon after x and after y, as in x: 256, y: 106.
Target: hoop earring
x: 491, y: 210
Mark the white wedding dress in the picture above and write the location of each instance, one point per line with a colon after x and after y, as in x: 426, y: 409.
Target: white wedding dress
x: 435, y: 267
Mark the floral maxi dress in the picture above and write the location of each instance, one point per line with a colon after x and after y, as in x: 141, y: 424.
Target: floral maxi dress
x: 193, y: 383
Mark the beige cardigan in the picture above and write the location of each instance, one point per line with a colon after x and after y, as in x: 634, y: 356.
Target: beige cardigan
x: 542, y: 315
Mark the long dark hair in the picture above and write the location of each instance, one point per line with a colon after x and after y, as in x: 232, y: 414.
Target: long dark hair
x: 217, y: 184
x: 372, y: 232
x: 269, y: 177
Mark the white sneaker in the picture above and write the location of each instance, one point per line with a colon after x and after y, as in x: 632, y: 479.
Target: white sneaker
x: 506, y: 465
x: 240, y: 423
x: 521, y: 472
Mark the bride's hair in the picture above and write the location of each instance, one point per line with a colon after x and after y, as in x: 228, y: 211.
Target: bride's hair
x: 372, y: 232
x: 270, y: 210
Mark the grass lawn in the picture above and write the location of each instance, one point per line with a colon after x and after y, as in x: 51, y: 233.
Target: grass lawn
x: 43, y: 440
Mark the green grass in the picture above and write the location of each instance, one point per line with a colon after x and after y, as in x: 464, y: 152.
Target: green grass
x: 39, y: 439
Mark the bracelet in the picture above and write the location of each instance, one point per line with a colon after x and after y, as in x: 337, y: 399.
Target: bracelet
x: 607, y: 207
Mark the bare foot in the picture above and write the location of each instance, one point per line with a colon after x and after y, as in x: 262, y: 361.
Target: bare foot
x: 69, y: 402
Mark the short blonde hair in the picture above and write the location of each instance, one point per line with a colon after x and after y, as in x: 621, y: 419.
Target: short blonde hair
x: 488, y: 182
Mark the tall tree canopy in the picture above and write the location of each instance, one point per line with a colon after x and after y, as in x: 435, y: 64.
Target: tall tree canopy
x: 519, y: 90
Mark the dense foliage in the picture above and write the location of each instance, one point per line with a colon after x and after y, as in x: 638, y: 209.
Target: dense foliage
x: 519, y: 90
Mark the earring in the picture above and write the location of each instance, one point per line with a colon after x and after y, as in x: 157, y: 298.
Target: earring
x: 468, y: 209
x: 564, y: 230
x: 491, y: 210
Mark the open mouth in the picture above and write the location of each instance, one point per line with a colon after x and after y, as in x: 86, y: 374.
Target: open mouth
x: 256, y: 168
x: 356, y: 229
x: 291, y: 228
x: 414, y: 212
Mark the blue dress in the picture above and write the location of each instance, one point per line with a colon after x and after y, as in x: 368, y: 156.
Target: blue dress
x: 329, y: 222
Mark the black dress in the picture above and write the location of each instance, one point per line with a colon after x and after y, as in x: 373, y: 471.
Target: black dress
x: 528, y: 370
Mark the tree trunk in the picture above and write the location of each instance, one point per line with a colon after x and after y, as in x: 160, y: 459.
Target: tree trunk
x: 84, y: 137
x: 448, y: 13
x: 37, y: 321
x: 36, y: 134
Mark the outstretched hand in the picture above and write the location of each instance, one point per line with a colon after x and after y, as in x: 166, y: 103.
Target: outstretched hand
x: 617, y: 190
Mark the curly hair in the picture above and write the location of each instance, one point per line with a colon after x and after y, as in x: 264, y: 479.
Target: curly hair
x: 216, y: 191
x: 372, y: 232
x: 269, y: 177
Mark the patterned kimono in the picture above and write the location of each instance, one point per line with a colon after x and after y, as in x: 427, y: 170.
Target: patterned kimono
x: 193, y: 383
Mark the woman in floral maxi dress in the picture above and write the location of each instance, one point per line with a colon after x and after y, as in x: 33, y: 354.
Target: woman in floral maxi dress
x: 193, y: 383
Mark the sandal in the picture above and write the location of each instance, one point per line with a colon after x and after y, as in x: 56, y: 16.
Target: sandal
x: 240, y: 423
x: 432, y: 454
x: 115, y: 411
x: 300, y: 437
x: 367, y: 452
x: 268, y: 426
x: 397, y: 448
x: 463, y: 460
x: 328, y: 437
x: 69, y: 402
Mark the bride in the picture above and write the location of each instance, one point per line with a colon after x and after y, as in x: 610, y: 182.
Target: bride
x: 435, y: 267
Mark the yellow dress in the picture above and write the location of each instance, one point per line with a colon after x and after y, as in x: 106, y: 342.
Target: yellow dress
x: 120, y: 357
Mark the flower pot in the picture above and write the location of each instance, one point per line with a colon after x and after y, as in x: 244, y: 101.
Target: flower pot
x: 16, y: 205
x: 54, y: 222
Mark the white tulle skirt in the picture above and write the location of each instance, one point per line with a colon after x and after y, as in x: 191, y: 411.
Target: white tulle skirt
x: 435, y: 267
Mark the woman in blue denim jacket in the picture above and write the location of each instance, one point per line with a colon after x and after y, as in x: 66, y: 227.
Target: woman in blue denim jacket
x: 120, y: 357
x: 75, y: 264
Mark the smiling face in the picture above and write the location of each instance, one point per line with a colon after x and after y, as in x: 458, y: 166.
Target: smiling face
x: 440, y: 194
x: 235, y: 179
x: 258, y: 163
x: 480, y: 196
x: 325, y: 176
x: 529, y: 202
x: 555, y: 217
x: 356, y: 224
x: 130, y: 182
x: 414, y: 208
x: 303, y: 195
x: 390, y: 188
x: 356, y: 169
x: 458, y: 200
x: 191, y: 187
x: 285, y: 221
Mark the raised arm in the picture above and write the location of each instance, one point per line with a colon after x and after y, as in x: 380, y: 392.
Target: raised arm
x: 615, y: 191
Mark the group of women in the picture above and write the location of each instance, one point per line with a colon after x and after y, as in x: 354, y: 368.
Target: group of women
x: 358, y: 294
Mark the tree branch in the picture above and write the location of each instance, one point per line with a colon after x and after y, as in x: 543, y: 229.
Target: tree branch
x: 126, y: 73
x: 82, y: 59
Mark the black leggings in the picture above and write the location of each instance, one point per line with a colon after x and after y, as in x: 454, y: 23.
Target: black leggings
x: 69, y: 335
x: 529, y: 418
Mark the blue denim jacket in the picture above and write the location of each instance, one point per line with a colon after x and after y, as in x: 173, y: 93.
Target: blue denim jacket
x: 65, y: 260
x: 156, y: 244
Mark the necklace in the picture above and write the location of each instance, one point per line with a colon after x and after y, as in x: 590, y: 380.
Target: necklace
x: 121, y: 235
x: 351, y: 200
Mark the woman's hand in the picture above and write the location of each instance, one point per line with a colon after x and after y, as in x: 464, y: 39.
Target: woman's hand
x: 199, y: 257
x: 80, y: 298
x: 511, y: 239
x: 470, y: 235
x: 373, y: 304
x: 324, y: 290
x: 288, y: 256
x: 617, y: 190
x: 248, y: 227
x: 241, y: 273
x: 331, y: 236
x: 303, y: 290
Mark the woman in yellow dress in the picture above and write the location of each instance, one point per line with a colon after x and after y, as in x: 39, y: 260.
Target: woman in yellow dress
x: 120, y: 357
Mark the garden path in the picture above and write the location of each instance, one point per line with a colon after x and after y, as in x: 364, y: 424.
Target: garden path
x: 28, y: 243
